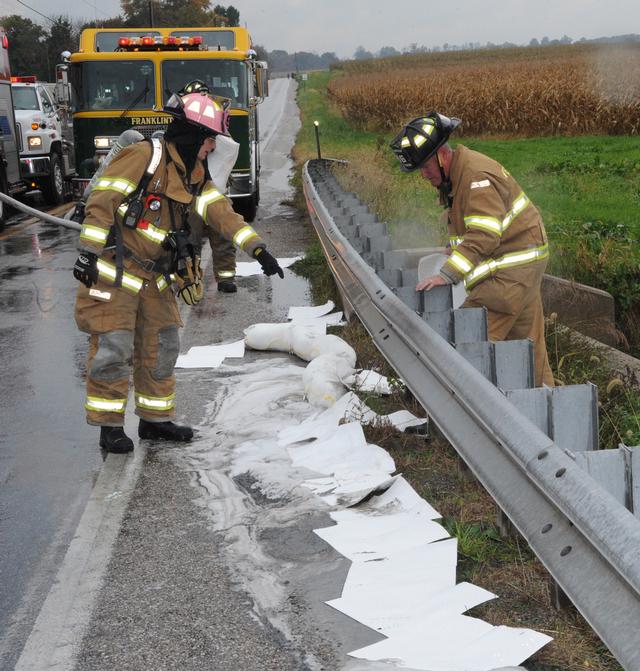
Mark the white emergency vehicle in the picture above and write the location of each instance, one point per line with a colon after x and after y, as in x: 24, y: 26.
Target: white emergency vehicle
x: 45, y: 138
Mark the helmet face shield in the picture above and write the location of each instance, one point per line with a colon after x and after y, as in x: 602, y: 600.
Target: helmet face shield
x: 421, y: 138
x: 174, y: 105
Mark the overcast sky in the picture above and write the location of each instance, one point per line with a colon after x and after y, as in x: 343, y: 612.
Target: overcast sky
x: 343, y: 25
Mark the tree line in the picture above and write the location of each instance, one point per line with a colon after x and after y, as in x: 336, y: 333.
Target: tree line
x: 386, y: 52
x: 282, y: 61
x: 35, y: 49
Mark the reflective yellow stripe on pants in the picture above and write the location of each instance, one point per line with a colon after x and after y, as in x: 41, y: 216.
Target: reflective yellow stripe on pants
x: 96, y: 404
x: 154, y: 402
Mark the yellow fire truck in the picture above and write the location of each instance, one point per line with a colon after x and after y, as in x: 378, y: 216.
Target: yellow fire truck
x: 121, y: 78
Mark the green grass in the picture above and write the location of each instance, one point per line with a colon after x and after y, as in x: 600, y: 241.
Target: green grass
x: 587, y: 189
x: 335, y: 132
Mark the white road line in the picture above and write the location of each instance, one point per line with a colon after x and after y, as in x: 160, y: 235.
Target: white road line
x: 57, y: 634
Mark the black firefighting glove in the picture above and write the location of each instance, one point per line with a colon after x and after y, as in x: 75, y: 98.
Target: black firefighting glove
x: 269, y: 263
x: 85, y: 269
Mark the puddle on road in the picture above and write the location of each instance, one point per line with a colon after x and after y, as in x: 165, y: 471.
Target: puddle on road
x: 277, y: 181
x: 295, y: 290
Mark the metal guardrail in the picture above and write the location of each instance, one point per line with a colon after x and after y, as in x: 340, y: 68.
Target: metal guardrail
x: 588, y: 542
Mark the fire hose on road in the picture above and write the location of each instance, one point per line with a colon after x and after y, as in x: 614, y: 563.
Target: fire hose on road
x: 128, y: 137
x: 44, y: 216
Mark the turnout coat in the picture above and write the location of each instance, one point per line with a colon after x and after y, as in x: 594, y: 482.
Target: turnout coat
x: 499, y: 250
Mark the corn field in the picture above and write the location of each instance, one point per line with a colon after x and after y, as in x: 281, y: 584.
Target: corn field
x: 569, y: 90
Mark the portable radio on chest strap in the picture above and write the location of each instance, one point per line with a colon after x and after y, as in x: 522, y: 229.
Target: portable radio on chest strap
x: 136, y: 201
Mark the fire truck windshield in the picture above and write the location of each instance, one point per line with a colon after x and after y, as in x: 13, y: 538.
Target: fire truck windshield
x: 227, y: 78
x: 113, y: 85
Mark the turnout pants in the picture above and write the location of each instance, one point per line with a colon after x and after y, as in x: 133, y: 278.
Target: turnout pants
x: 224, y: 256
x: 514, y: 305
x: 138, y: 331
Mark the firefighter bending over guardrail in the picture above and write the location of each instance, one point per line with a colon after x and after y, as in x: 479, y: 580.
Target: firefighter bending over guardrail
x: 497, y: 245
x: 134, y: 248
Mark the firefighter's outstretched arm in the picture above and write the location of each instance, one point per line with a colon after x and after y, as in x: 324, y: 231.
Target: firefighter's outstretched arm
x: 216, y: 211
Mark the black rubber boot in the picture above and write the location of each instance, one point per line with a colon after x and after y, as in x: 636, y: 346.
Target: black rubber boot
x: 164, y: 431
x: 227, y: 286
x: 114, y: 439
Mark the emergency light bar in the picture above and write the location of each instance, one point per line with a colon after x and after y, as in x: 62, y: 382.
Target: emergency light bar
x: 150, y: 43
x: 30, y: 79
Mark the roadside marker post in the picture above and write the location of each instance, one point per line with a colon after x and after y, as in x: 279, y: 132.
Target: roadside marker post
x: 316, y: 125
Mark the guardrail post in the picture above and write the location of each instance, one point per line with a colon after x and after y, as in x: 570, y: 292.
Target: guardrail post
x: 470, y: 325
x: 559, y: 600
x: 635, y: 480
x: 513, y: 364
x: 464, y: 472
x: 504, y: 524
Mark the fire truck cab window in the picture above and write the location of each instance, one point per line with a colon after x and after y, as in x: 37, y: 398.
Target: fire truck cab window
x: 227, y: 78
x: 223, y: 40
x: 24, y: 98
x: 113, y: 85
x: 109, y: 41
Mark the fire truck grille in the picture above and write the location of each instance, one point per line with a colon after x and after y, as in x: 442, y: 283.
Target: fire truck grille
x: 149, y: 130
x: 19, y: 134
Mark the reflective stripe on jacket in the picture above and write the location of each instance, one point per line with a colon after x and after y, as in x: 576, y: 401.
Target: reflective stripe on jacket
x: 492, y: 223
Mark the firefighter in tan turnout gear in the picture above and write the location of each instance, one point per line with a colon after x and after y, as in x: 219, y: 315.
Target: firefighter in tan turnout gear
x: 135, y: 252
x: 498, y: 244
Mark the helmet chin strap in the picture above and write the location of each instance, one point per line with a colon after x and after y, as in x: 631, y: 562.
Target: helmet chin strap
x: 445, y: 185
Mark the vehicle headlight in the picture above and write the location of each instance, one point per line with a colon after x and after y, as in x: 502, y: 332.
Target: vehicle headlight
x: 34, y: 142
x: 103, y: 142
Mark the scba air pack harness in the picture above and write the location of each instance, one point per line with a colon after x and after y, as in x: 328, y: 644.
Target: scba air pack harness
x: 182, y: 265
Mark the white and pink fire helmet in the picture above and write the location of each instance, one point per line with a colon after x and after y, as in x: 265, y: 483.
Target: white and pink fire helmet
x: 201, y: 109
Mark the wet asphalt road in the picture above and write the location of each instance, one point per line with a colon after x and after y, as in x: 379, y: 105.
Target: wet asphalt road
x: 174, y: 593
x: 49, y: 459
x: 48, y: 463
x: 168, y: 601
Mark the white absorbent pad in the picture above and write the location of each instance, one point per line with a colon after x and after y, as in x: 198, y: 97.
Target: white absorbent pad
x: 305, y: 312
x: 210, y: 356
